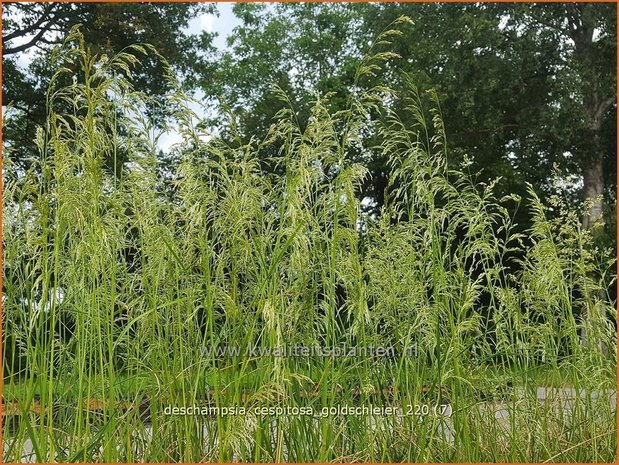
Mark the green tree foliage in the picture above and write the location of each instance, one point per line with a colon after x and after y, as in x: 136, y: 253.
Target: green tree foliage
x: 303, y: 49
x: 112, y: 291
x: 35, y: 28
x: 517, y: 83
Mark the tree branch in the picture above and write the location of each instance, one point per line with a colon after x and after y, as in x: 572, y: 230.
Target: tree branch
x: 26, y: 46
x: 33, y: 27
x: 604, y: 106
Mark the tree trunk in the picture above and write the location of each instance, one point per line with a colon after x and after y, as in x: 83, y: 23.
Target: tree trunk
x: 593, y: 189
x: 598, y: 98
x: 593, y: 165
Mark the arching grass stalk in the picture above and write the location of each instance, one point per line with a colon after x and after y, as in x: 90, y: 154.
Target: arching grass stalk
x: 134, y: 290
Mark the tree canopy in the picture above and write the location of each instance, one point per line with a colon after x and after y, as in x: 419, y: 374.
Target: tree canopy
x: 33, y: 29
x: 527, y: 90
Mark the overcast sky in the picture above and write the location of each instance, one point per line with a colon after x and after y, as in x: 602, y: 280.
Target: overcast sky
x: 223, y: 26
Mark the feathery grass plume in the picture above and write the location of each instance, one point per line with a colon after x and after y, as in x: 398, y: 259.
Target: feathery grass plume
x: 131, y: 287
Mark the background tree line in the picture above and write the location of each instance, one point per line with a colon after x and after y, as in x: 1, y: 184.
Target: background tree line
x: 527, y: 91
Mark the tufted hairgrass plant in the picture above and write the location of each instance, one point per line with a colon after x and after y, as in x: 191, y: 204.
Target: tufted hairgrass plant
x: 120, y: 288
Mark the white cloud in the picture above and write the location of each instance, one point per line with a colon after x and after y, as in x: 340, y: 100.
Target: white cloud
x: 204, y: 22
x: 169, y: 138
x: 207, y: 21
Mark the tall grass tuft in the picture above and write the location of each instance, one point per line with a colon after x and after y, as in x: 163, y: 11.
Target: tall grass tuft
x: 122, y: 282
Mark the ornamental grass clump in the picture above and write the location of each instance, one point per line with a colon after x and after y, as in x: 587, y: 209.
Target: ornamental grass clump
x: 131, y: 287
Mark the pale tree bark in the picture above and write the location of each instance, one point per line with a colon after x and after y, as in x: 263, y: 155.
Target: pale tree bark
x: 593, y: 169
x: 593, y: 179
x: 593, y: 187
x: 598, y: 98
